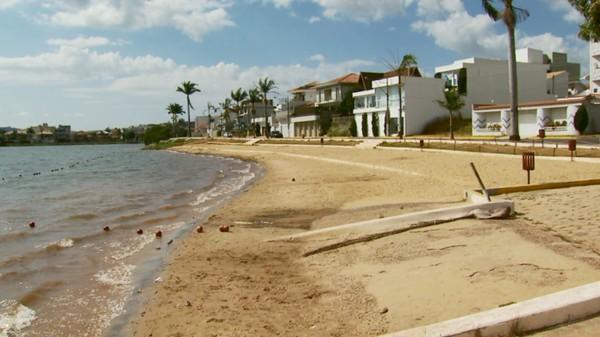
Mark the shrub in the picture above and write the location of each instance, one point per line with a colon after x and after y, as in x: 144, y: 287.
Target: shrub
x: 157, y: 133
x: 365, y: 125
x: 324, y: 121
x: 581, y: 119
x: 375, y: 124
x: 353, y: 128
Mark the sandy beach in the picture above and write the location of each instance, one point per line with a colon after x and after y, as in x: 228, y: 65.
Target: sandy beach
x: 237, y: 284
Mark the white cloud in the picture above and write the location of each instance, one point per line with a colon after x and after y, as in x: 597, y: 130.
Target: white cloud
x: 314, y: 19
x: 570, y: 15
x: 362, y: 10
x: 464, y: 33
x: 86, y: 42
x: 195, y: 18
x: 5, y: 4
x: 88, y: 75
x: 433, y: 8
x: 318, y: 58
x: 279, y: 3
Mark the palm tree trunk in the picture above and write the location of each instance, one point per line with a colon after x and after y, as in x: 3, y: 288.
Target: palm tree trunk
x: 451, y: 128
x: 513, y: 88
x: 189, y: 120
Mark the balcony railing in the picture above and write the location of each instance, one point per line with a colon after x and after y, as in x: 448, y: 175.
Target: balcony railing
x: 595, y: 49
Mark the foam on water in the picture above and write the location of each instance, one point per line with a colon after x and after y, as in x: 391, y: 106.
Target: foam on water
x: 14, y: 317
x: 119, y: 275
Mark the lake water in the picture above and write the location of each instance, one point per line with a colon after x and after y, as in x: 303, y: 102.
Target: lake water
x: 67, y: 276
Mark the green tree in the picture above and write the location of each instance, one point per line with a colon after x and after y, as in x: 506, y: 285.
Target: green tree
x: 174, y: 110
x: 452, y: 102
x: 581, y: 119
x: 364, y: 125
x: 254, y: 97
x: 156, y: 133
x: 510, y: 15
x: 188, y: 88
x: 238, y: 97
x: 353, y: 128
x: 375, y: 124
x: 266, y: 85
x: 589, y: 30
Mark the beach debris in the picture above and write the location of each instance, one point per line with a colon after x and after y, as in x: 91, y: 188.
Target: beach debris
x: 170, y: 242
x: 384, y: 310
x: 293, y: 179
x: 32, y: 224
x: 158, y: 234
x: 106, y: 229
x: 199, y: 229
x: 224, y: 228
x: 158, y: 280
x: 140, y: 231
x: 188, y: 303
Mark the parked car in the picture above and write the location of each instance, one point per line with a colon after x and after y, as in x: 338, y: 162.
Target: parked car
x: 227, y: 134
x: 276, y: 134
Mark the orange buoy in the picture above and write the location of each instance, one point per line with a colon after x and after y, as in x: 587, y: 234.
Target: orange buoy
x: 140, y: 231
x: 199, y: 229
x: 158, y: 234
x: 32, y: 224
x: 106, y: 228
x: 224, y: 228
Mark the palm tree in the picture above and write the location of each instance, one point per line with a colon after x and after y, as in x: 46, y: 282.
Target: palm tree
x: 408, y: 62
x: 254, y: 97
x: 225, y: 108
x: 452, y: 102
x: 239, y: 96
x: 590, y: 10
x: 174, y: 109
x: 188, y: 88
x: 510, y: 15
x: 266, y: 85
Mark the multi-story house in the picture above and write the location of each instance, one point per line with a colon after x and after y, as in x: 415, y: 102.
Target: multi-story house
x: 410, y: 99
x: 485, y: 81
x: 595, y: 67
x: 327, y: 100
x: 63, y: 133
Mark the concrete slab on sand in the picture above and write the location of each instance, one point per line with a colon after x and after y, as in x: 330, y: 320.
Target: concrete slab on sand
x: 439, y: 273
x: 515, y: 319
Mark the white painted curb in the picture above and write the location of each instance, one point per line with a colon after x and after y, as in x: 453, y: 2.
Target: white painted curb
x: 527, y: 316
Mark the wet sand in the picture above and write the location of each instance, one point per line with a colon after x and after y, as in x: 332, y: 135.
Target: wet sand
x: 236, y: 284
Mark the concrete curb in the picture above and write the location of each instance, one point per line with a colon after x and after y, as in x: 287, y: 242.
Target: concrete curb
x: 523, y: 317
x: 489, y: 154
x: 408, y: 220
x: 475, y: 195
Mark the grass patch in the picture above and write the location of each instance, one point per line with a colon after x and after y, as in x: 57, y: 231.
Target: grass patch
x: 548, y: 150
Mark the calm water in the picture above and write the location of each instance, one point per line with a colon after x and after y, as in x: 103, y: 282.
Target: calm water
x: 69, y: 277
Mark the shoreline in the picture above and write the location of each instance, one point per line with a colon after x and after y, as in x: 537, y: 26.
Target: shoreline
x: 154, y: 266
x: 231, y: 284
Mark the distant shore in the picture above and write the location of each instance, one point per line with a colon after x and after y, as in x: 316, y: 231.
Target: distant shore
x: 232, y: 284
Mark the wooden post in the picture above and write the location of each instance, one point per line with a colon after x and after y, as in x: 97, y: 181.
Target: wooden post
x: 485, y: 192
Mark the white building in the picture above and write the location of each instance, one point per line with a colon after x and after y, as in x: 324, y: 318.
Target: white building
x: 556, y: 117
x: 418, y: 102
x: 485, y: 81
x: 595, y: 67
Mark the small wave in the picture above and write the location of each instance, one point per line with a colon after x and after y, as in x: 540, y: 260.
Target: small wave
x: 128, y: 217
x: 159, y: 220
x: 116, y: 276
x: 14, y: 317
x: 14, y: 236
x: 180, y: 195
x: 83, y: 216
x: 38, y: 293
x: 225, y: 187
x: 57, y: 245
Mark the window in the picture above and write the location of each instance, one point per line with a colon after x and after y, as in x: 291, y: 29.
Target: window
x: 327, y: 93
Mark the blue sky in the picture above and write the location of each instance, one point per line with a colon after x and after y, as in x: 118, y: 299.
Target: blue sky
x: 93, y: 64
